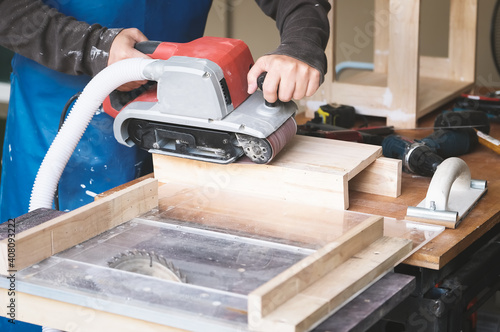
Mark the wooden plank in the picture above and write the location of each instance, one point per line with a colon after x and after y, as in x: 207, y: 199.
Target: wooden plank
x: 381, y: 36
x: 123, y: 186
x: 44, y: 240
x: 375, y: 98
x: 311, y: 226
x: 309, y: 170
x: 366, y: 99
x: 403, y: 71
x: 435, y: 92
x: 70, y: 317
x: 435, y: 67
x: 382, y: 177
x: 291, y: 282
x: 325, y: 296
x: 462, y: 40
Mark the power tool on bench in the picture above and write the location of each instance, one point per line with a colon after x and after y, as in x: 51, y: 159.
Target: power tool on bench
x: 200, y: 108
x: 454, y: 135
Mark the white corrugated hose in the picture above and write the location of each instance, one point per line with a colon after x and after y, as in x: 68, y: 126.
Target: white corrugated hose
x: 61, y: 149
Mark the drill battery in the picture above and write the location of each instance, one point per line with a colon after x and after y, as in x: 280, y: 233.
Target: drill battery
x: 335, y: 115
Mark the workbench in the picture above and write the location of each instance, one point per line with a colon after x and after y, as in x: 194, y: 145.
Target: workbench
x: 483, y: 164
x: 466, y: 259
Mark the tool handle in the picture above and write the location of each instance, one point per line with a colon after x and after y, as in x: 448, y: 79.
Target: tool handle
x: 147, y: 47
x: 452, y: 171
x: 451, y: 142
x: 260, y: 84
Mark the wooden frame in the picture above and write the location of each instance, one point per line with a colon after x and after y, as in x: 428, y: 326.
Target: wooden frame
x: 301, y: 296
x: 404, y: 86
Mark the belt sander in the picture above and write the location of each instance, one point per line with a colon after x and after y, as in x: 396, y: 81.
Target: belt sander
x: 199, y: 107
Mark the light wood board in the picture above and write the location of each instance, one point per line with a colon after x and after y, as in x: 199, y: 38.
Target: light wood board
x: 310, y: 170
x: 382, y: 177
x: 71, y: 317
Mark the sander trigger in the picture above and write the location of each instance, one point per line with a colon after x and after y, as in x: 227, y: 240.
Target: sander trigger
x: 199, y: 107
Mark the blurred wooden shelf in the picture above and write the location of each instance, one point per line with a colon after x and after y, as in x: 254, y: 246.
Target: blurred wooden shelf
x: 404, y: 85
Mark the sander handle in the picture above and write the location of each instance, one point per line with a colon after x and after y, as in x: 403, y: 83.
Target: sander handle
x: 148, y: 47
x: 260, y: 84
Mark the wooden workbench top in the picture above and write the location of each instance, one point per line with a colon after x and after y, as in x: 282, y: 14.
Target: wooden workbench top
x: 484, y: 164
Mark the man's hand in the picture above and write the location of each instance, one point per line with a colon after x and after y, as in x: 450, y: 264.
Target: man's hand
x: 123, y: 48
x: 286, y: 76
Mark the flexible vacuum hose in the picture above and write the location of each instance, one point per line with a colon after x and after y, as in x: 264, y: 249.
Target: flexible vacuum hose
x: 76, y: 123
x: 49, y: 329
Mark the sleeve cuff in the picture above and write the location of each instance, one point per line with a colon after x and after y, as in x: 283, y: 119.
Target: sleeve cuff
x: 310, y: 54
x: 99, y: 53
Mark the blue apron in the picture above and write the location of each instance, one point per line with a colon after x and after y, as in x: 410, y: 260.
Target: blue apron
x: 38, y: 96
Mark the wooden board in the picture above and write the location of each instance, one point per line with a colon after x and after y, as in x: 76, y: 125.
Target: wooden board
x: 382, y: 177
x: 367, y: 92
x: 44, y: 240
x: 71, y: 317
x: 309, y: 170
x: 309, y: 291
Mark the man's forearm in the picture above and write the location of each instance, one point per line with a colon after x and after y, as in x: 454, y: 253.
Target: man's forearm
x: 303, y: 27
x: 53, y: 39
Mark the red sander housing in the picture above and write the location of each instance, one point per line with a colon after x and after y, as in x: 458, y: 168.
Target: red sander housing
x: 198, y: 107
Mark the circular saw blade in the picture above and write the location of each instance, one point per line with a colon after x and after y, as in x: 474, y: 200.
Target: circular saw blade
x: 147, y: 263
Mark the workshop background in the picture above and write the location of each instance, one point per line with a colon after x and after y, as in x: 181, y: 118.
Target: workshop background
x: 243, y: 19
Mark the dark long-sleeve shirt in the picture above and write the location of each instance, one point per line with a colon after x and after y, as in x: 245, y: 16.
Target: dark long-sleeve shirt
x: 304, y: 29
x: 62, y: 43
x: 57, y: 41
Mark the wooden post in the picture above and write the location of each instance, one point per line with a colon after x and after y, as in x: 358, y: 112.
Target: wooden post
x: 462, y: 40
x: 381, y: 37
x: 403, y: 68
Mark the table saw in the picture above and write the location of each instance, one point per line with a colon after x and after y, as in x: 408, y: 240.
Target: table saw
x: 219, y: 269
x: 234, y: 254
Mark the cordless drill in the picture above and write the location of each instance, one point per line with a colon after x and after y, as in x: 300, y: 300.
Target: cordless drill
x: 424, y: 156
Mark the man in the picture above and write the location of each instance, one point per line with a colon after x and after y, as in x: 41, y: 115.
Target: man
x: 62, y: 44
x: 51, y: 37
